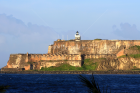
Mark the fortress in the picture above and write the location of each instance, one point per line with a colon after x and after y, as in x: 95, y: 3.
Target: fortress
x: 72, y: 52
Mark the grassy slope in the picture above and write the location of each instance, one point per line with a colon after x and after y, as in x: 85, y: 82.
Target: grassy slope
x: 132, y: 55
x: 88, y: 65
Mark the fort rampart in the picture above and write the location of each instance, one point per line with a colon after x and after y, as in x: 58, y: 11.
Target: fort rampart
x: 71, y: 52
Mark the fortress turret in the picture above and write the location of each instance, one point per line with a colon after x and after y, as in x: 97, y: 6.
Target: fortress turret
x: 77, y: 36
x: 50, y: 48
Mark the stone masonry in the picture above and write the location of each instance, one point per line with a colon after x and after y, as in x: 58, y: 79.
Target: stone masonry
x: 71, y: 52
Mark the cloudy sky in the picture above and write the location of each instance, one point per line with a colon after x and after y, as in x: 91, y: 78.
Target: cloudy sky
x: 31, y: 25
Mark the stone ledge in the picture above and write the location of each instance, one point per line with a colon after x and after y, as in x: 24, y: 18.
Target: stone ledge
x: 11, y: 69
x: 69, y: 72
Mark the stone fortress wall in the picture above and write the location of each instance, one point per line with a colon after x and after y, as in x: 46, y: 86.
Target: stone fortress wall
x: 93, y: 48
x: 72, y: 52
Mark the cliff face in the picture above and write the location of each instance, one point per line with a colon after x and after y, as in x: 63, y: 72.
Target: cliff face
x: 127, y: 63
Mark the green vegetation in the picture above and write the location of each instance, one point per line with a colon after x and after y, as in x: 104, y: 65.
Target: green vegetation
x: 122, y: 56
x: 133, y: 47
x: 66, y: 60
x: 135, y: 55
x: 88, y: 65
x: 131, y: 55
x: 51, y: 60
x: 135, y: 68
x: 90, y: 84
x: 62, y: 67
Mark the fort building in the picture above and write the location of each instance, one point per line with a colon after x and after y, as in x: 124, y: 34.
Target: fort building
x: 72, y: 52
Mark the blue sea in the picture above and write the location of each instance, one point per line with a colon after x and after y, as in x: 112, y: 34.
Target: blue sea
x: 68, y: 83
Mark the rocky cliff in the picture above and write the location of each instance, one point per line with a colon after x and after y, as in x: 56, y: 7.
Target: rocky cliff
x: 129, y: 61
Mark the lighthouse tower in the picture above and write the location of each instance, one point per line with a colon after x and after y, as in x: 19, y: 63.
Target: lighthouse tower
x: 77, y: 36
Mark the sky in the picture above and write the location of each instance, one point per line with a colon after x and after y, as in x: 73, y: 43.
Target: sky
x: 32, y: 25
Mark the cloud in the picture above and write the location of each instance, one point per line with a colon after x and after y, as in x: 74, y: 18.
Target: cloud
x: 17, y: 36
x: 127, y: 31
x: 12, y: 26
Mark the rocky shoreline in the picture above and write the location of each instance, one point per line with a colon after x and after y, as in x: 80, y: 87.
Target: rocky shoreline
x: 69, y: 72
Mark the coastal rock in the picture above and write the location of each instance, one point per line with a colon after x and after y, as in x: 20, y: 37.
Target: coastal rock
x: 126, y: 63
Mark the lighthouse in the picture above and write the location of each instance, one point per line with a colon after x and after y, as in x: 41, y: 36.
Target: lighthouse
x: 77, y: 36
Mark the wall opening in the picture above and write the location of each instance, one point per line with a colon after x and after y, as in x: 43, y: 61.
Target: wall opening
x: 83, y: 58
x: 31, y: 66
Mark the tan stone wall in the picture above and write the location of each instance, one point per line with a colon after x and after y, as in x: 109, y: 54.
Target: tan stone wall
x: 9, y: 65
x: 120, y: 53
x: 89, y: 56
x: 27, y: 67
x: 55, y: 63
x: 62, y: 57
x: 14, y: 61
x: 49, y: 49
x: 35, y: 58
x: 92, y: 46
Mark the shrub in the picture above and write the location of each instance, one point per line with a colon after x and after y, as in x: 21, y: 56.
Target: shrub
x: 122, y: 56
x: 135, y: 55
x: 92, y: 86
x: 138, y: 47
x: 135, y: 68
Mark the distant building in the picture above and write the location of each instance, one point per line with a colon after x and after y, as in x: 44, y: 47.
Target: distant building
x: 77, y: 36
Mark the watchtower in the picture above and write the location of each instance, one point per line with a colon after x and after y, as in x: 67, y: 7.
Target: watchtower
x: 77, y: 36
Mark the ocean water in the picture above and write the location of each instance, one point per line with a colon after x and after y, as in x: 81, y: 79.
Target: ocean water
x: 68, y: 83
